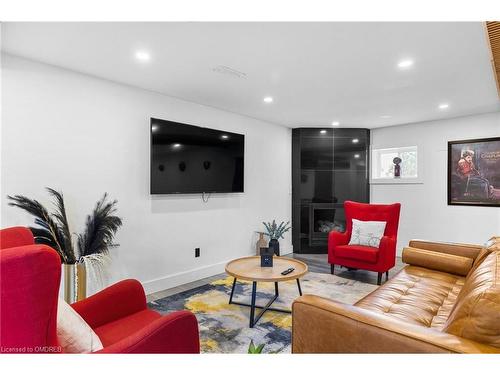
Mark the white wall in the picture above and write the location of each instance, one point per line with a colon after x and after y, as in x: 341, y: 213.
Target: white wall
x: 424, y: 211
x: 86, y: 136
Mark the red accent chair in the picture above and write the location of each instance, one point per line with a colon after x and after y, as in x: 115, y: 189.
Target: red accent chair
x: 380, y: 259
x: 30, y: 276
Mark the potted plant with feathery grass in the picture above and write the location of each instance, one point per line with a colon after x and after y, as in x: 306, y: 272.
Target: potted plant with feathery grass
x: 275, y: 232
x: 91, y: 253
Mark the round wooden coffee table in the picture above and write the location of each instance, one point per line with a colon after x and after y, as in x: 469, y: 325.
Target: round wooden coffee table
x: 249, y: 269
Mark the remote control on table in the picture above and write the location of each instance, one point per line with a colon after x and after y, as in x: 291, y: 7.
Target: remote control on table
x: 286, y: 272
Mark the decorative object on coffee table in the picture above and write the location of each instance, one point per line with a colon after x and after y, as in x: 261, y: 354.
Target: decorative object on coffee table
x: 92, y: 251
x: 249, y: 269
x: 266, y: 257
x: 275, y: 232
x: 260, y: 243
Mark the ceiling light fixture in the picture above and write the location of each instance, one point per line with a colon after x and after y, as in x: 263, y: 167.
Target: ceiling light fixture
x: 176, y: 145
x: 405, y: 64
x: 356, y: 156
x: 268, y: 99
x: 444, y: 106
x: 224, y: 136
x: 335, y: 123
x: 355, y: 140
x: 322, y: 131
x: 142, y: 56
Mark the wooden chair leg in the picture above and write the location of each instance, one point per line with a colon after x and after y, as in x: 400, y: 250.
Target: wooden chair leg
x: 332, y: 268
x: 379, y: 278
x: 386, y: 275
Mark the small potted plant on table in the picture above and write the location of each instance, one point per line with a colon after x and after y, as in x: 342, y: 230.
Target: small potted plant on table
x: 275, y: 232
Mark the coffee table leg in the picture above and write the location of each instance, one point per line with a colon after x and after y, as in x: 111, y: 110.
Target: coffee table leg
x: 300, y: 289
x: 252, y: 307
x: 232, y: 291
x: 276, y: 293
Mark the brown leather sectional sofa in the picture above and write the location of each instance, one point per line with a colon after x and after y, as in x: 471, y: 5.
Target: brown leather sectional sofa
x: 446, y: 300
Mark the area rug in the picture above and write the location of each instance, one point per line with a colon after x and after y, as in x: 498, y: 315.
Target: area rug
x: 224, y: 328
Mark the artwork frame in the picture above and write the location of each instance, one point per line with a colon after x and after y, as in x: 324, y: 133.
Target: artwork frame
x: 474, y: 172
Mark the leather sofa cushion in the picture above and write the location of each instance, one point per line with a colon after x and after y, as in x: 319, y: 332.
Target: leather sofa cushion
x: 433, y: 260
x: 476, y: 315
x: 357, y: 252
x: 416, y: 295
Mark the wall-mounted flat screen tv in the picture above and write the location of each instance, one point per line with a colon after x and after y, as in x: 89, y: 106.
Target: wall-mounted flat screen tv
x: 187, y: 159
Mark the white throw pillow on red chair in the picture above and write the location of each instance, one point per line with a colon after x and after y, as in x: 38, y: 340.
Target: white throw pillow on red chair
x: 367, y: 233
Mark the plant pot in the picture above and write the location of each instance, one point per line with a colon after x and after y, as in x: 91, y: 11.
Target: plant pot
x: 275, y: 245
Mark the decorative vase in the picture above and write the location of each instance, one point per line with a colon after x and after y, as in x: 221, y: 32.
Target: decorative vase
x: 397, y: 167
x: 69, y: 282
x: 81, y: 281
x: 260, y: 243
x: 75, y: 282
x: 275, y: 245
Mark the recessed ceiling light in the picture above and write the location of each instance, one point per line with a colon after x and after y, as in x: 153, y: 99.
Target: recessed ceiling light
x: 224, y: 136
x: 335, y: 123
x: 355, y: 140
x: 268, y: 99
x: 176, y: 145
x: 405, y: 64
x: 356, y: 156
x: 142, y: 56
x: 444, y: 106
x: 323, y: 131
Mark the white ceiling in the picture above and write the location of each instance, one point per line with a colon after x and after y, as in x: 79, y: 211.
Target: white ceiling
x: 316, y: 72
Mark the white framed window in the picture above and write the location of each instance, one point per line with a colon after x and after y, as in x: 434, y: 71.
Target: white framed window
x: 384, y: 169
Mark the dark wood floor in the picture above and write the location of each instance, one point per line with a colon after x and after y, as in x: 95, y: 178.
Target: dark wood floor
x: 319, y: 263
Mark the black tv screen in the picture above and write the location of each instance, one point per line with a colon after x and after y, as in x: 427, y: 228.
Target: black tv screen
x: 187, y: 159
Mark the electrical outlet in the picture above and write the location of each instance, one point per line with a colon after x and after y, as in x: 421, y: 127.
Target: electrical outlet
x: 197, y: 252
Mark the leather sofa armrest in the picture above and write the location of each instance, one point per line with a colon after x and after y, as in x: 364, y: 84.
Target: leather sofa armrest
x: 455, y: 264
x: 320, y: 325
x: 464, y: 250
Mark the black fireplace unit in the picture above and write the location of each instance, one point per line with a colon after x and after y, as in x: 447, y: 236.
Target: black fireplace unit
x: 329, y: 166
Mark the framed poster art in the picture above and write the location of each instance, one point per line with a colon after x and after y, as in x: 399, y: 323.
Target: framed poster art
x: 474, y: 172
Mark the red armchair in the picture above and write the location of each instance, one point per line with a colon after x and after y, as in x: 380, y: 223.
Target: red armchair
x: 380, y: 259
x: 29, y: 278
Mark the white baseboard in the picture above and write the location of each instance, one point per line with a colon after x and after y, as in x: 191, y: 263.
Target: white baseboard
x: 180, y: 278
x: 176, y: 279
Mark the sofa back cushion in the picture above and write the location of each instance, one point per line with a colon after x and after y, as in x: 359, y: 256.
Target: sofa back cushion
x: 493, y: 244
x: 476, y: 314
